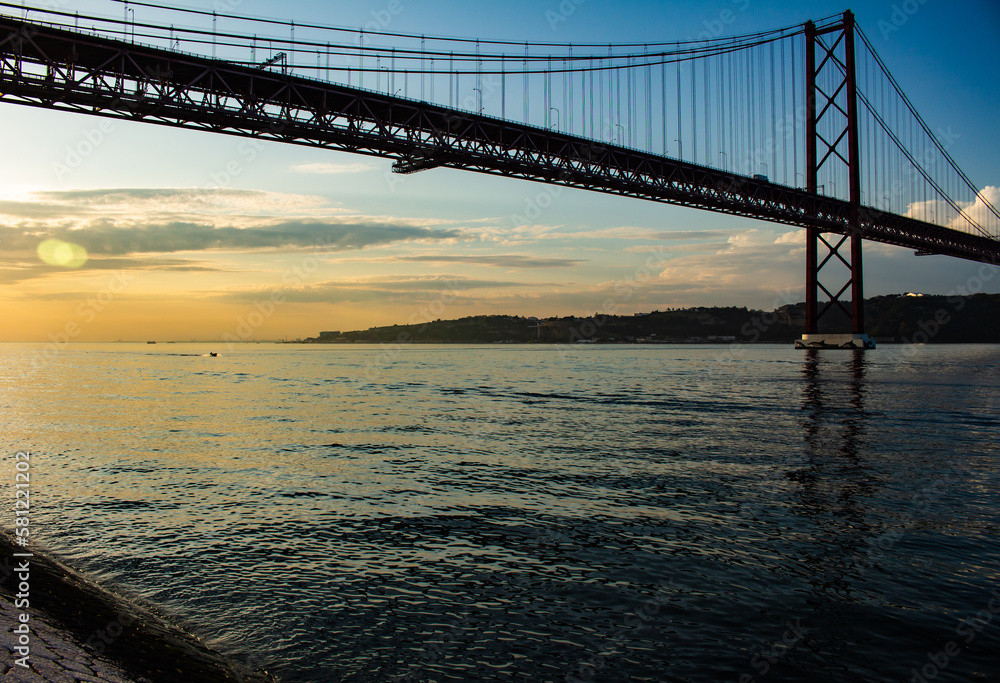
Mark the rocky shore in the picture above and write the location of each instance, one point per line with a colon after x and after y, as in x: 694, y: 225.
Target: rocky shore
x: 81, y: 633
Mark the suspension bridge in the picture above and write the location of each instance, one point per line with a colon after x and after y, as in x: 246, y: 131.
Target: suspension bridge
x: 803, y: 125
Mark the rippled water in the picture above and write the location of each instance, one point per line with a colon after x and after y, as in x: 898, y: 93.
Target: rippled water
x: 536, y: 513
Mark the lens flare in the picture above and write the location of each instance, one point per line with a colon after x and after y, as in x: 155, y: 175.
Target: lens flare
x: 64, y: 254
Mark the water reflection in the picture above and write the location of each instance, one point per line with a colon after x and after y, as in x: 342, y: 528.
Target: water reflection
x: 838, y: 471
x: 832, y: 398
x: 838, y: 484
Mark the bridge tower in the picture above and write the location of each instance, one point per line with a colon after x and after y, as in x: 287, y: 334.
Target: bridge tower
x: 832, y: 141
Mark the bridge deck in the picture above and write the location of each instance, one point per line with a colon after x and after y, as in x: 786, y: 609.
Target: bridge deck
x: 55, y: 68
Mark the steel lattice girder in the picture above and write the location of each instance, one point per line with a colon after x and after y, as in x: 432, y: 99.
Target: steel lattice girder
x: 59, y: 69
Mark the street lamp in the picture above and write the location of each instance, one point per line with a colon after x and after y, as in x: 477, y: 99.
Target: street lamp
x: 556, y: 124
x: 725, y: 161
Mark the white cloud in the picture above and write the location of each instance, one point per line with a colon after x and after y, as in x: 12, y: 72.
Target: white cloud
x: 322, y: 168
x: 979, y: 210
x: 796, y: 237
x: 759, y: 237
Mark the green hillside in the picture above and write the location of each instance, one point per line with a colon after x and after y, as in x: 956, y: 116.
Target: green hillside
x: 928, y: 318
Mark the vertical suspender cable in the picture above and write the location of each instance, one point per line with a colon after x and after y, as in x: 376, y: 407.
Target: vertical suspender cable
x: 707, y: 112
x: 649, y: 108
x: 590, y: 90
x: 795, y: 121
x: 618, y: 103
x: 774, y: 128
x: 600, y: 97
x: 680, y: 146
x: 784, y: 120
x: 629, y: 129
x: 503, y: 86
x: 551, y: 96
x: 525, y: 95
x: 648, y: 122
x: 756, y: 125
x: 562, y: 125
x: 569, y: 78
x: 722, y: 111
x: 694, y: 115
x: 663, y: 102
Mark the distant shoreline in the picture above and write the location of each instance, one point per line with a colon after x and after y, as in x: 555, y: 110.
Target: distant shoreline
x: 907, y: 318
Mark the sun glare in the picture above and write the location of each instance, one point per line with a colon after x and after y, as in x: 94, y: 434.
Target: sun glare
x: 65, y: 254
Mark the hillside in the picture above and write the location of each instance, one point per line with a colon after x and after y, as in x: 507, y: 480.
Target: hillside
x: 929, y: 318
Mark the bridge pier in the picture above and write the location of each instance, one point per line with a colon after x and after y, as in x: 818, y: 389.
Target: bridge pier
x: 838, y: 114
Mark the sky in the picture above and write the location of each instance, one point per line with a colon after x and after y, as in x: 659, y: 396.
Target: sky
x: 194, y: 235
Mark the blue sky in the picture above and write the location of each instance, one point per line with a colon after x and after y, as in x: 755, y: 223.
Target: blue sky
x: 441, y: 243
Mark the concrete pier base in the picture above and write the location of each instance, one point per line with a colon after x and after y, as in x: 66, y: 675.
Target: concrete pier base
x: 835, y: 341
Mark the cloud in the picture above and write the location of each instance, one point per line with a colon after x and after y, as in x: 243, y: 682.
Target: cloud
x: 520, y: 235
x: 755, y: 238
x: 332, y: 169
x: 118, y: 222
x: 498, y: 260
x: 698, y: 248
x: 635, y: 233
x: 32, y: 210
x: 148, y: 263
x: 178, y: 201
x: 379, y: 288
x: 14, y: 270
x: 797, y: 237
x: 117, y: 240
x: 980, y: 210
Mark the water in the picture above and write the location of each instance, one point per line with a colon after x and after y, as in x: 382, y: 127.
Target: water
x: 533, y: 513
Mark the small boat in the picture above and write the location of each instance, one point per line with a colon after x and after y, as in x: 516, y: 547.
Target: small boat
x: 213, y: 354
x: 150, y: 342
